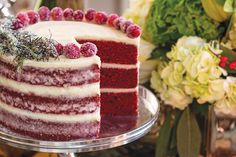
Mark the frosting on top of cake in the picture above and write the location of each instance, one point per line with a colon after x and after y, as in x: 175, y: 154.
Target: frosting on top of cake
x: 68, y: 31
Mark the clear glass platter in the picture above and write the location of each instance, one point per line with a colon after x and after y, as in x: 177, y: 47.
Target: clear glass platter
x: 115, y: 131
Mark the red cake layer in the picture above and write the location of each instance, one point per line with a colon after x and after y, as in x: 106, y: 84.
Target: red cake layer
x: 119, y: 103
x: 115, y: 52
x: 51, y: 76
x: 54, y: 105
x: 119, y: 78
x: 53, y: 131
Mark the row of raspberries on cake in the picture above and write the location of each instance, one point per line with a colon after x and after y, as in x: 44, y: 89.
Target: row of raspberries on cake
x: 57, y: 14
x: 72, y: 51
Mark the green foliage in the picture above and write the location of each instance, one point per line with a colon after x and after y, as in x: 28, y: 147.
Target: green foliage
x: 168, y: 20
x: 221, y: 2
x: 188, y: 135
x: 49, y: 3
x: 173, y: 141
x: 162, y: 145
x: 159, y: 52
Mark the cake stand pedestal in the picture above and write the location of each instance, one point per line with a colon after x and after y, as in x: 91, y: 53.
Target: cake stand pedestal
x: 115, y: 131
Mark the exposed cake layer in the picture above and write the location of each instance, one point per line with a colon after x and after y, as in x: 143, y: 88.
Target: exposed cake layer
x: 49, y: 130
x: 47, y: 104
x: 119, y: 78
x: 118, y: 52
x: 51, y: 117
x: 119, y: 102
x: 53, y: 76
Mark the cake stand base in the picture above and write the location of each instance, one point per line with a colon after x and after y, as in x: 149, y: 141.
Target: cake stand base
x: 115, y: 131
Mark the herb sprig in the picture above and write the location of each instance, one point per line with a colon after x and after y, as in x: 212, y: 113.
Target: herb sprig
x: 25, y: 45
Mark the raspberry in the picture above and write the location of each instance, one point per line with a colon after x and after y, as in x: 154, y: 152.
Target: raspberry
x: 111, y: 19
x: 78, y: 15
x: 133, y: 31
x: 88, y: 49
x: 117, y: 22
x: 223, y: 59
x: 57, y: 14
x: 68, y: 14
x: 100, y: 17
x: 124, y: 25
x: 89, y: 15
x: 17, y: 24
x: 71, y: 51
x: 33, y: 16
x: 44, y: 13
x: 232, y: 65
x: 59, y: 48
x: 23, y: 17
x: 222, y: 64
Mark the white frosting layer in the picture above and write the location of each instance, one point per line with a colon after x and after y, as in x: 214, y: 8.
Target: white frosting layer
x: 68, y: 31
x: 52, y: 117
x: 73, y: 91
x: 61, y: 62
x: 118, y: 90
x: 120, y: 66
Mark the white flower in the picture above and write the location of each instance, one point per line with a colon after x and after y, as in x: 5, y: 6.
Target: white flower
x: 176, y: 97
x: 216, y: 92
x: 138, y: 11
x: 173, y: 73
x: 189, y: 42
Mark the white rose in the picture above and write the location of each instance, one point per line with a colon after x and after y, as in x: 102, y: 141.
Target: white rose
x: 176, y: 98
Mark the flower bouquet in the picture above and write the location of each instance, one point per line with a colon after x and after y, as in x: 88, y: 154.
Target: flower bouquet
x: 191, y: 66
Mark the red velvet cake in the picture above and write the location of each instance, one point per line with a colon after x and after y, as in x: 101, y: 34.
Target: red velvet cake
x: 50, y: 84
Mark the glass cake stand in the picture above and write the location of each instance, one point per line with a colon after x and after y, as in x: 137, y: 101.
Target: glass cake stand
x: 115, y: 131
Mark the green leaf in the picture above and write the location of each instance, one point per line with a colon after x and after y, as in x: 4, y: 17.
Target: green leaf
x: 174, y: 129
x: 173, y: 142
x: 159, y: 52
x: 220, y: 2
x: 188, y: 135
x: 230, y: 6
x: 164, y: 137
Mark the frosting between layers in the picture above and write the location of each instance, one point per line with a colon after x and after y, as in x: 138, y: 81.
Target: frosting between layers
x: 120, y: 66
x: 61, y: 62
x: 73, y: 91
x: 68, y: 31
x: 52, y: 117
x: 118, y: 90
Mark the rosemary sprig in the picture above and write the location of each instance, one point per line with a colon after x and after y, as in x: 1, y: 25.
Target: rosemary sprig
x: 25, y: 45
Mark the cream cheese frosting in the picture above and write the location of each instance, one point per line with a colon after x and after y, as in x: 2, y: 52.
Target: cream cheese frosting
x: 60, y: 62
x: 86, y: 90
x: 52, y: 117
x: 68, y: 31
